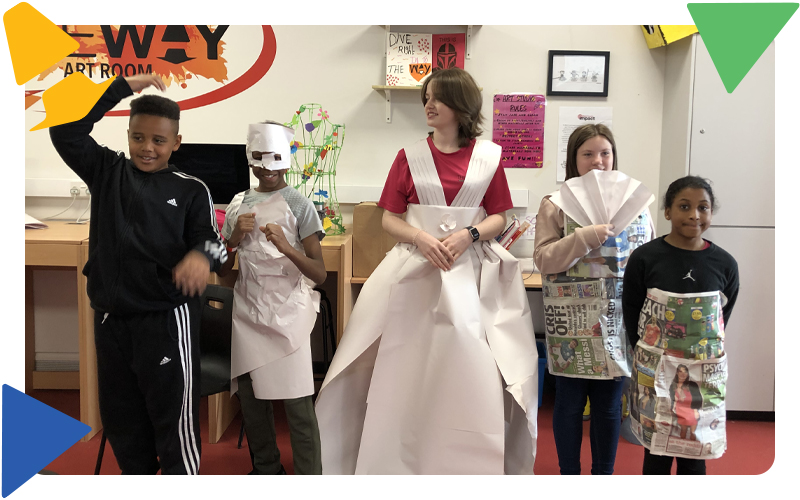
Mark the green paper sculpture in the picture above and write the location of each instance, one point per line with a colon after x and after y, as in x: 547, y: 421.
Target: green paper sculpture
x: 315, y: 151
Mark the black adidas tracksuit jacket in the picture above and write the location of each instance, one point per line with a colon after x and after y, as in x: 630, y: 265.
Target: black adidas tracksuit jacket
x: 142, y: 224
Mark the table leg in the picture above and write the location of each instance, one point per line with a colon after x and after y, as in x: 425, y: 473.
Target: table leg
x: 90, y: 408
x: 344, y: 290
x: 222, y: 408
x: 30, y: 331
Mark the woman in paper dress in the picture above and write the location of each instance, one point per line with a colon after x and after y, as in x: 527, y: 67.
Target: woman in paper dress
x: 686, y: 402
x: 442, y: 326
x: 683, y: 262
x: 590, y: 147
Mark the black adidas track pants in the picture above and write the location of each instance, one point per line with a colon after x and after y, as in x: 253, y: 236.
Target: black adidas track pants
x: 148, y: 370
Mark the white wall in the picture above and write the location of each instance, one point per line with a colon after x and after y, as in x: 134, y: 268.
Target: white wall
x: 504, y: 59
x: 336, y: 66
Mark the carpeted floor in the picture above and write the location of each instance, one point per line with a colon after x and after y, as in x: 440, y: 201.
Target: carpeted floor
x: 751, y: 446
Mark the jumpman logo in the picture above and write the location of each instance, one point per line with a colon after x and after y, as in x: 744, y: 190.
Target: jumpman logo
x: 689, y: 275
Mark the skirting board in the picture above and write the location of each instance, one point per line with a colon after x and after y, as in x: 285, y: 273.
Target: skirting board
x: 757, y: 416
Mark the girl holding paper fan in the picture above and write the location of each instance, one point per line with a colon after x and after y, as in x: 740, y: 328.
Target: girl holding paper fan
x: 692, y: 284
x: 437, y: 370
x: 584, y: 235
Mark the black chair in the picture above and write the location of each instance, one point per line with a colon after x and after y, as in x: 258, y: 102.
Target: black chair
x: 216, y: 323
x: 328, y: 335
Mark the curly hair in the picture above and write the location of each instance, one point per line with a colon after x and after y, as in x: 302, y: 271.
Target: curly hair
x: 156, y: 106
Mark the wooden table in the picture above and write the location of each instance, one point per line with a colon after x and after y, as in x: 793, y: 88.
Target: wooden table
x: 63, y: 245
x: 337, y: 252
x: 532, y: 281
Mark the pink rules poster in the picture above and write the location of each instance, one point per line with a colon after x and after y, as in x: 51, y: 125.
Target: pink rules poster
x: 518, y: 126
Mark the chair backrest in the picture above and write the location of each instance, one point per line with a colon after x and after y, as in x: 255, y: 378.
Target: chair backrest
x: 216, y: 323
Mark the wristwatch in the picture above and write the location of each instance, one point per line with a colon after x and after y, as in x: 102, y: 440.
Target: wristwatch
x: 474, y: 233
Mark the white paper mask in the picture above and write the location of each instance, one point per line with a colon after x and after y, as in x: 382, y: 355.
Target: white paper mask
x: 272, y: 138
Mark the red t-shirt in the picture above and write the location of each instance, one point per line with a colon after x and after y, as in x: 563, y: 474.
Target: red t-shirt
x: 399, y: 189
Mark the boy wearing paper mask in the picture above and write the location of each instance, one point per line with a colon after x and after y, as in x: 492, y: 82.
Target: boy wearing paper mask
x: 276, y: 233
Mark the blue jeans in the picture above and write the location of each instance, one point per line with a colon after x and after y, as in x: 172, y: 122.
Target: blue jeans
x: 605, y: 397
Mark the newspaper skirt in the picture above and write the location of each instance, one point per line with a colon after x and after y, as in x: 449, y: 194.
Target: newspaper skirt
x: 584, y: 329
x: 679, y: 375
x: 416, y: 385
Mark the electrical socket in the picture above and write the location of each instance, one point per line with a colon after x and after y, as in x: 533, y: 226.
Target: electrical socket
x: 78, y: 189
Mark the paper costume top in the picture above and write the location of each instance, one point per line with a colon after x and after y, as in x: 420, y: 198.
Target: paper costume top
x: 275, y: 307
x: 601, y: 197
x: 267, y: 140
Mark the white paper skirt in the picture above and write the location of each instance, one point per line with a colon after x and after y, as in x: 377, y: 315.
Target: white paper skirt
x: 416, y: 386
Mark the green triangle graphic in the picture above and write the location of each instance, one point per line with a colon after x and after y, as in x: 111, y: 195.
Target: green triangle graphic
x: 736, y: 34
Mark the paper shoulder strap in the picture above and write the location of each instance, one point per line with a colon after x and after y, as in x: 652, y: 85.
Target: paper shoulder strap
x: 423, y: 171
x: 482, y: 166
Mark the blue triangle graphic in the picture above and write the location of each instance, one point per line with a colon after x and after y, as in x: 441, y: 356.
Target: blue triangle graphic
x: 33, y: 436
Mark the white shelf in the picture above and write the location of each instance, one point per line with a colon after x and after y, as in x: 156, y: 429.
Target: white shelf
x: 396, y: 87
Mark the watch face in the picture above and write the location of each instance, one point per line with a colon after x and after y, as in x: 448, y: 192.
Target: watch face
x: 475, y: 234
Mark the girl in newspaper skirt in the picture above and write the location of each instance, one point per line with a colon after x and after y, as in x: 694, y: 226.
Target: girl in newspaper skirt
x: 582, y: 265
x: 679, y: 292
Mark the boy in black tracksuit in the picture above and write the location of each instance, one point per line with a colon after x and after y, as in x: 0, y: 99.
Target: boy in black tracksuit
x: 153, y: 240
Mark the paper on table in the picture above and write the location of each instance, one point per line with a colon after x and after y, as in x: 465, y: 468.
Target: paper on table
x: 31, y: 223
x: 600, y: 197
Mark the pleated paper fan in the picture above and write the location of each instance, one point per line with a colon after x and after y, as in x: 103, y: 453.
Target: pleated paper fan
x: 600, y: 197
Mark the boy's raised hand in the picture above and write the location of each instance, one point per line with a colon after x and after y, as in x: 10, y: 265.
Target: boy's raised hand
x: 245, y: 224
x: 191, y: 273
x: 142, y: 81
x: 274, y: 234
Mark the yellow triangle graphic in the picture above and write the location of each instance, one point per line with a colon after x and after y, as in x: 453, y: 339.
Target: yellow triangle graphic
x: 70, y: 99
x: 35, y: 43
